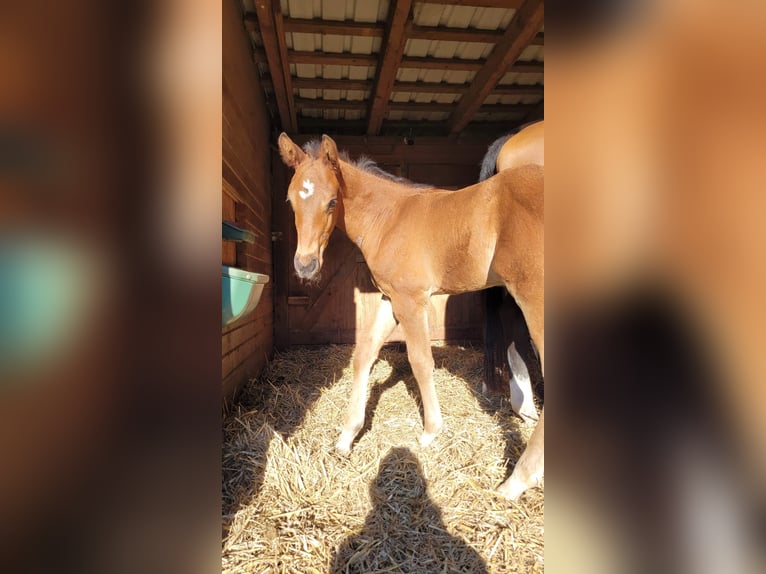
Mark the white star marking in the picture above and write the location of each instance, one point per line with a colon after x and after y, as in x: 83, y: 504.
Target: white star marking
x: 309, y: 185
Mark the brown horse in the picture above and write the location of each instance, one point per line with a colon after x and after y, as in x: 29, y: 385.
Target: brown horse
x: 418, y: 242
x: 508, y: 354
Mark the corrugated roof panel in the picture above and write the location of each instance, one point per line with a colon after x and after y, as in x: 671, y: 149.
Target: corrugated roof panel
x: 531, y: 53
x: 333, y: 10
x: 298, y: 8
x: 492, y: 18
x: 439, y: 49
x: 473, y: 50
x: 427, y: 14
x: 361, y: 72
x: 370, y: 11
x: 417, y: 48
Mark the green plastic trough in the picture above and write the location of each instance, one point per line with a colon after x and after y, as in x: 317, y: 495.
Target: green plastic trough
x: 241, y: 291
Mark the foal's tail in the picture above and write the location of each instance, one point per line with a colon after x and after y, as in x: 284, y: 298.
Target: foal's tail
x: 497, y: 373
x: 489, y: 162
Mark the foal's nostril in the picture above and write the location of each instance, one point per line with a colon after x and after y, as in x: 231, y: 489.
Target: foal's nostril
x: 306, y: 271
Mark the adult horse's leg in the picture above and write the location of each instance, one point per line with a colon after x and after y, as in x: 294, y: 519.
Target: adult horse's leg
x: 530, y: 467
x: 505, y: 333
x: 522, y: 399
x: 413, y: 316
x: 368, y: 347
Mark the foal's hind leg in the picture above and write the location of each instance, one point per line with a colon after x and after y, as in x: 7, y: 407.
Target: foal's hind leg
x: 413, y: 316
x: 367, y: 349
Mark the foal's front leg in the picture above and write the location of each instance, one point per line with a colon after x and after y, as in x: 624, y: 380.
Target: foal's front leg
x: 413, y: 316
x: 367, y: 349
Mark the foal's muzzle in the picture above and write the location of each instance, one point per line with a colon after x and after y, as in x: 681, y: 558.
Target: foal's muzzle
x: 307, y: 270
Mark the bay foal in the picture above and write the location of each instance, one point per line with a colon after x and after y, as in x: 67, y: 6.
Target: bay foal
x: 418, y: 242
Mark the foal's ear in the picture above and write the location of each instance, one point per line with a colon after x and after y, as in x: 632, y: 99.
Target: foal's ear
x: 291, y: 152
x: 329, y: 152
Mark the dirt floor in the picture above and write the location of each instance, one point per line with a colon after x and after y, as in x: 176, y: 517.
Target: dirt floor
x: 291, y: 504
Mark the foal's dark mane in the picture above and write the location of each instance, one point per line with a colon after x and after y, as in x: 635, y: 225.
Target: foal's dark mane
x: 365, y: 164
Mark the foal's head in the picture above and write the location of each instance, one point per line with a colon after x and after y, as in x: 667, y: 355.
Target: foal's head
x: 314, y: 194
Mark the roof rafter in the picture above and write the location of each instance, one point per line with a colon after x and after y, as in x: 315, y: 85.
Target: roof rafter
x: 414, y: 87
x: 269, y: 21
x: 520, y: 32
x: 391, y: 51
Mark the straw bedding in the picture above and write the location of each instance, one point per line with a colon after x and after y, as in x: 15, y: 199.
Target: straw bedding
x: 291, y: 504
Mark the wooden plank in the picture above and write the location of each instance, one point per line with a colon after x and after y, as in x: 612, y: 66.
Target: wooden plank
x: 538, y: 40
x: 336, y: 28
x: 266, y: 24
x: 429, y: 63
x: 228, y: 250
x: 519, y: 90
x: 317, y: 304
x: 246, y: 161
x: 480, y: 3
x: 280, y: 31
x: 366, y: 60
x: 318, y: 104
x: 449, y: 34
x: 331, y: 58
x: 414, y: 87
x: 525, y: 25
x: 282, y: 221
x: 332, y: 84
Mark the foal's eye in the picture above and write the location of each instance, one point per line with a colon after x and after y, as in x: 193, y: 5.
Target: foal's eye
x: 332, y: 204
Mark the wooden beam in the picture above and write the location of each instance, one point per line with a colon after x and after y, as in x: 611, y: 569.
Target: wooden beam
x: 532, y: 67
x: 526, y: 23
x: 332, y: 84
x: 519, y: 90
x: 267, y: 27
x: 480, y: 3
x: 330, y: 58
x: 319, y: 104
x: 336, y: 28
x: 365, y: 60
x: 392, y: 50
x: 414, y: 87
x: 280, y: 30
x: 446, y: 34
x: 441, y: 63
x: 538, y: 40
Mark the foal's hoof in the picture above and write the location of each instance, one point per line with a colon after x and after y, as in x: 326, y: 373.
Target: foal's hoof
x: 343, y: 446
x: 428, y: 437
x: 512, y: 489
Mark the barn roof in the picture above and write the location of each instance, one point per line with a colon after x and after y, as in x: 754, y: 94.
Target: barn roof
x: 393, y: 67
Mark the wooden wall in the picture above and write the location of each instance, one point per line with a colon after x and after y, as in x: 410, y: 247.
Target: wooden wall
x: 248, y: 343
x: 345, y: 299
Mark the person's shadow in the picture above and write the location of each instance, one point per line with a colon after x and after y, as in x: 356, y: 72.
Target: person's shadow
x: 404, y: 531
